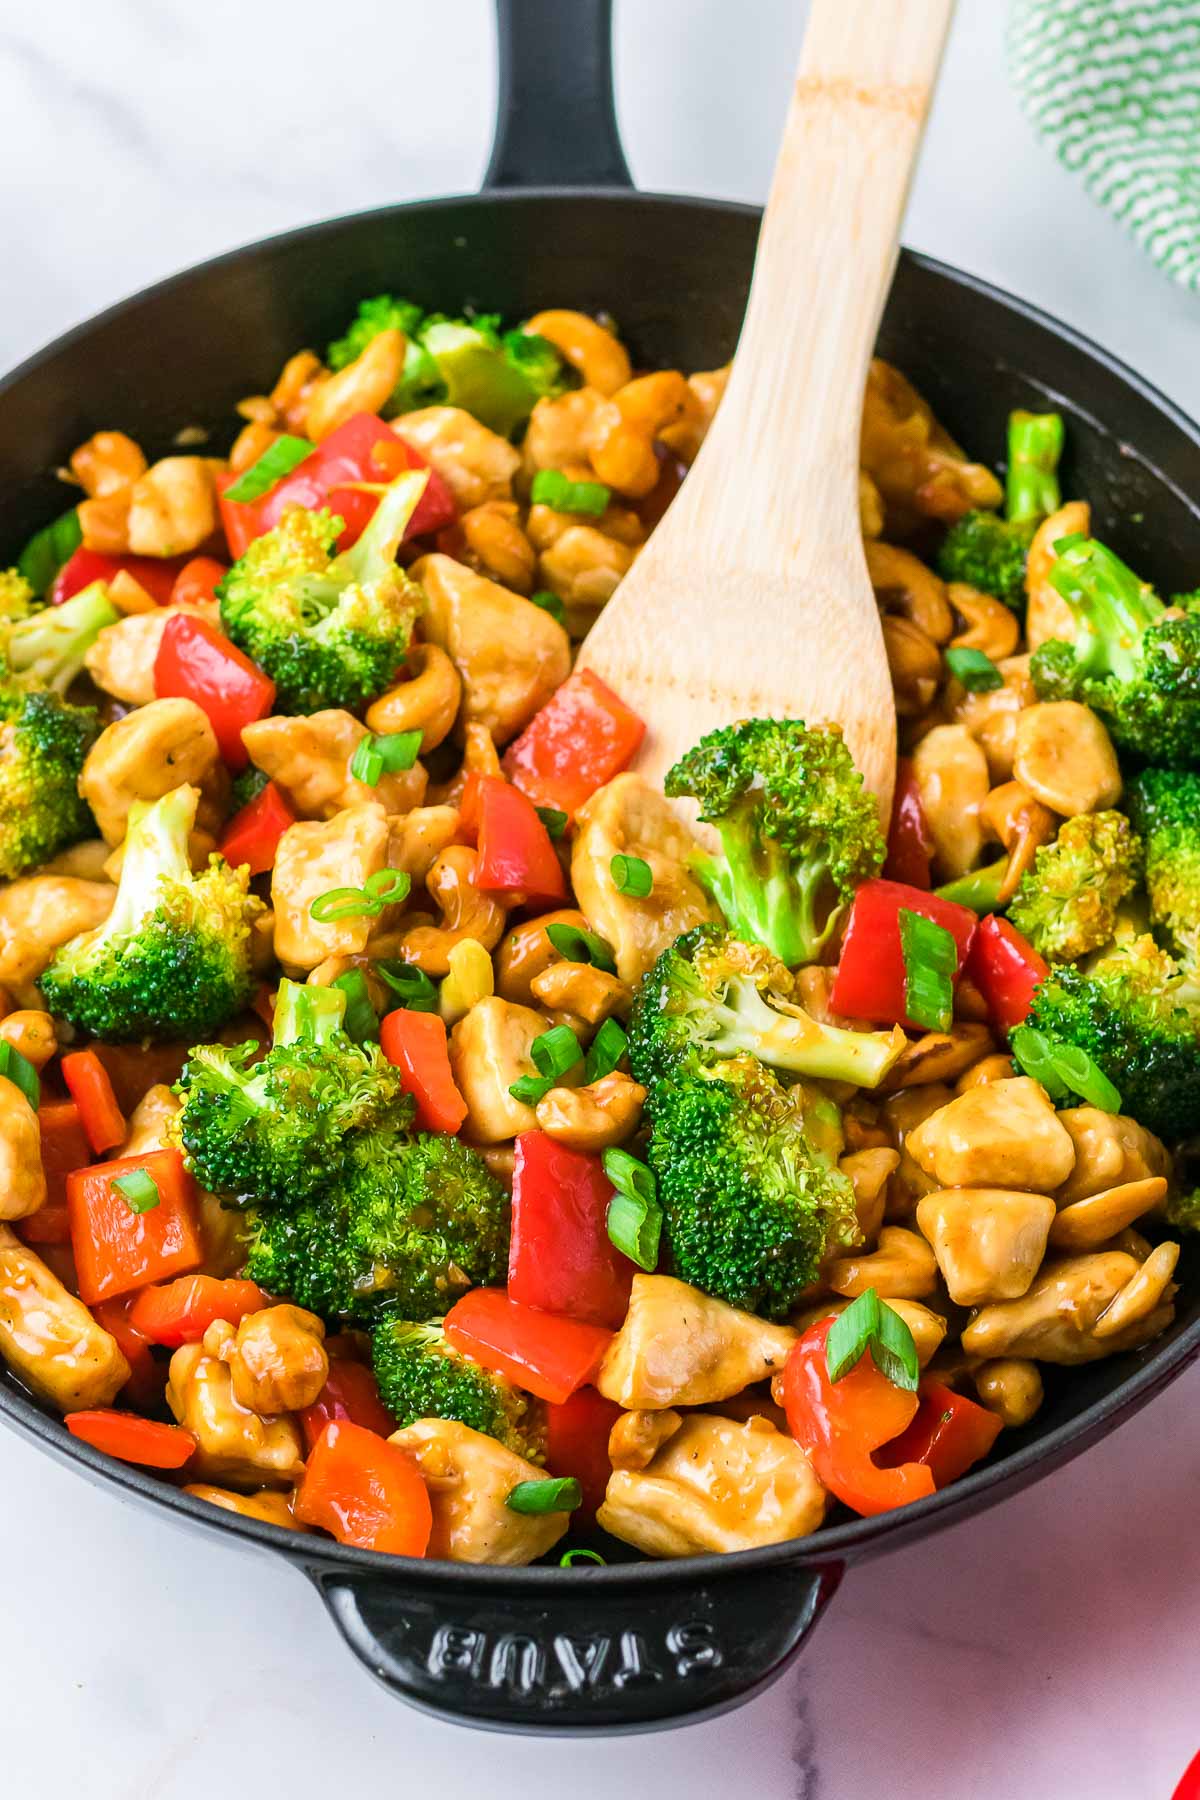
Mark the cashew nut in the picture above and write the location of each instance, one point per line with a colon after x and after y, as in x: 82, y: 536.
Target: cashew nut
x: 938, y: 1056
x: 428, y: 702
x: 595, y: 1117
x: 622, y: 443
x: 466, y: 913
x: 496, y: 544
x: 527, y: 952
x: 990, y: 625
x: 901, y: 1265
x: 1140, y: 1298
x: 277, y: 1359
x: 590, y: 994
x: 1010, y: 1386
x: 108, y: 462
x: 363, y: 386
x: 869, y: 1171
x: 1022, y: 824
x: 1086, y: 1224
x: 595, y: 352
x: 906, y: 586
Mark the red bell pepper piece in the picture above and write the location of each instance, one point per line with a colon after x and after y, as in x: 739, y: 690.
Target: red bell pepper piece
x: 252, y: 835
x: 157, y: 574
x: 561, y: 1257
x: 117, y: 1249
x: 869, y: 983
x: 182, y: 1311
x: 948, y: 1434
x: 131, y: 1439
x: 840, y: 1423
x: 50, y: 1224
x: 1006, y: 969
x: 350, y: 1392
x: 415, y: 1042
x: 516, y: 855
x: 147, y: 1378
x: 92, y: 1091
x: 1189, y: 1781
x: 542, y: 1352
x: 363, y: 450
x: 65, y: 1147
x: 195, y: 584
x: 909, y: 844
x: 197, y: 662
x: 577, y: 1432
x: 365, y: 1491
x: 581, y: 738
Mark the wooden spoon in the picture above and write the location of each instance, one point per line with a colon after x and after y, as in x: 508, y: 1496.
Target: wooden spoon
x: 752, y: 599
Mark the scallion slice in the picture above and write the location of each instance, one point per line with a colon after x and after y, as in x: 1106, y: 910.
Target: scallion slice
x: 361, y: 1021
x: 413, y: 986
x: 385, y: 888
x: 632, y: 875
x: 556, y: 1494
x: 634, y: 1215
x: 930, y: 960
x: 551, y: 604
x: 556, y: 1051
x: 21, y: 1072
x: 1063, y: 1069
x: 607, y: 1048
x: 554, y: 820
x: 552, y: 488
x: 868, y: 1324
x: 276, y: 461
x: 580, y: 946
x: 389, y: 754
x: 569, y: 1558
x: 138, y: 1190
x: 48, y: 549
x: 975, y: 670
x: 529, y: 1089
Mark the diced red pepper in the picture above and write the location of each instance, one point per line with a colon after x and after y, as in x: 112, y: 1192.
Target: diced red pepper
x: 65, y: 1147
x: 561, y: 1257
x: 1006, y: 969
x: 350, y: 1392
x: 365, y: 1491
x: 544, y: 1353
x: 117, y: 1249
x: 252, y: 835
x: 840, y: 1424
x: 50, y: 1224
x: 92, y: 1091
x: 581, y: 738
x: 909, y: 844
x: 948, y: 1433
x: 415, y: 1042
x: 1189, y: 1781
x: 157, y: 574
x: 132, y: 1440
x: 870, y: 980
x: 180, y: 1312
x: 147, y: 1378
x: 577, y: 1432
x: 516, y: 854
x: 197, y: 662
x: 195, y: 584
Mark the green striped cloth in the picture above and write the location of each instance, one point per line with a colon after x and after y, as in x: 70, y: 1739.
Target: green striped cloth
x: 1114, y: 87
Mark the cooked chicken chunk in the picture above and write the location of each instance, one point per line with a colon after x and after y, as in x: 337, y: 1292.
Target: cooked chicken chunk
x: 145, y: 755
x: 234, y: 1445
x: 679, y: 1347
x: 49, y: 1338
x: 41, y: 913
x: 1002, y: 1134
x: 469, y: 1478
x: 476, y: 464
x: 308, y: 758
x: 312, y: 858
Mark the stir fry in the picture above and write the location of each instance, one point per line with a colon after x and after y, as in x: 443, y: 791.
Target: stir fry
x: 417, y: 1128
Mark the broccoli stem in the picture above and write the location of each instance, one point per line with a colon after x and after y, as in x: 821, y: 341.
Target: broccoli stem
x: 1035, y: 442
x: 1111, y: 606
x: 308, y: 1015
x: 788, y: 1038
x: 51, y: 644
x: 156, y: 848
x: 980, y: 889
x: 375, y: 552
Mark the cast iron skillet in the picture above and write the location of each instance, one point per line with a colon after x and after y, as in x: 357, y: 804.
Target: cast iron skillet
x: 645, y: 1644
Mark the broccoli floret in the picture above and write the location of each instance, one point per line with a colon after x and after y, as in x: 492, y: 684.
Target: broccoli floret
x: 17, y: 598
x: 1183, y: 1210
x: 1139, y: 1021
x: 1164, y: 804
x: 1067, y: 902
x: 246, y: 786
x: 330, y: 631
x: 383, y: 313
x: 422, y: 1376
x: 798, y: 830
x: 991, y: 552
x: 710, y: 997
x: 1134, y: 666
x: 45, y: 647
x: 173, y: 958
x: 43, y: 743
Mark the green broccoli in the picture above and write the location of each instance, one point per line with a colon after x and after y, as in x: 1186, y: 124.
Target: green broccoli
x: 1183, y: 1210
x: 43, y: 743
x: 330, y: 631
x: 799, y: 832
x: 710, y: 997
x: 45, y: 646
x: 497, y: 376
x: 1067, y: 902
x: 990, y: 552
x: 1164, y: 804
x: 173, y: 958
x: 1137, y: 1018
x: 1136, y: 667
x: 17, y: 598
x: 422, y: 1376
x: 246, y: 786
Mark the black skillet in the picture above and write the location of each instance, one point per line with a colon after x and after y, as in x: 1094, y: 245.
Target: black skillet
x: 640, y: 1644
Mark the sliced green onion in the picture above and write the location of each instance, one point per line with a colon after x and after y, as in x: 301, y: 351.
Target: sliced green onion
x: 48, y: 549
x: 415, y: 990
x: 1063, y: 1069
x: 868, y: 1324
x: 977, y: 672
x: 389, y: 754
x: 276, y: 461
x: 930, y: 960
x: 551, y: 604
x: 634, y: 1216
x: 554, y: 820
x: 632, y: 875
x: 361, y: 1021
x: 529, y: 1089
x: 569, y: 1558
x: 552, y: 488
x: 21, y: 1072
x: 608, y: 1047
x: 556, y: 1051
x: 382, y: 889
x: 582, y: 946
x: 558, y: 1494
x: 138, y: 1190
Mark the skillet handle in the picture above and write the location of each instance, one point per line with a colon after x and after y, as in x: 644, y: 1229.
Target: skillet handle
x: 592, y: 1653
x: 556, y: 125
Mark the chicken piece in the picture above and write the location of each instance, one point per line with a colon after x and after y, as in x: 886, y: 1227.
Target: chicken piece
x: 1054, y: 1322
x: 418, y: 839
x: 173, y: 507
x: 1003, y: 1134
x: 50, y: 1339
x: 629, y: 816
x: 1110, y: 1150
x: 510, y: 654
x: 121, y: 661
x: 679, y: 1347
x: 86, y: 861
x: 233, y: 1444
x: 913, y: 461
x: 476, y: 464
x: 469, y: 1477
x: 312, y: 858
x: 41, y: 913
x: 268, y: 1508
x: 147, y: 754
x: 716, y: 1484
x: 989, y: 1242
x: 489, y: 1050
x: 151, y: 1121
x: 308, y: 759
x: 277, y: 1359
x: 637, y: 1437
x: 22, y: 1182
x: 1047, y: 614
x: 584, y: 567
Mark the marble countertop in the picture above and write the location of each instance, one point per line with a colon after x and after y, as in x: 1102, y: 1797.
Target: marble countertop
x: 1047, y: 1649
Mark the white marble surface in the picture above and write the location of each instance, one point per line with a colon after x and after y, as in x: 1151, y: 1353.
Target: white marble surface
x: 1046, y: 1650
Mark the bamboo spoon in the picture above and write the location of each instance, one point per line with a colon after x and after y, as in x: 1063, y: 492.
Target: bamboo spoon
x: 751, y: 598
